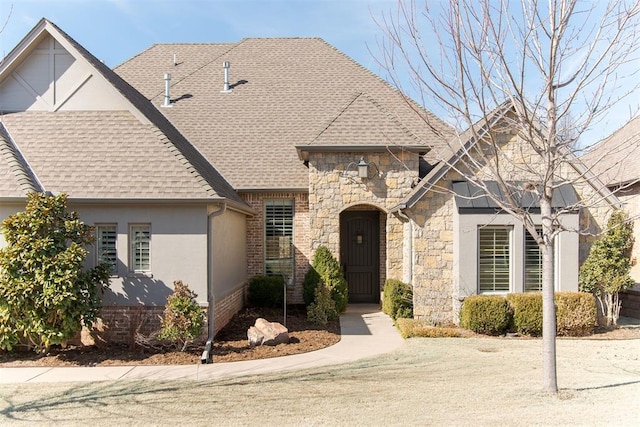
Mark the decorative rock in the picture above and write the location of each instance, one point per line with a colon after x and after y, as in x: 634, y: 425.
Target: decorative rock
x: 267, y: 333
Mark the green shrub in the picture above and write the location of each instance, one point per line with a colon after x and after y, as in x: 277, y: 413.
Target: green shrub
x: 326, y: 268
x: 605, y: 272
x: 309, y: 285
x: 398, y: 299
x: 576, y: 313
x: 183, y: 317
x: 46, y: 295
x: 527, y: 313
x: 323, y: 308
x: 266, y: 291
x: 486, y: 314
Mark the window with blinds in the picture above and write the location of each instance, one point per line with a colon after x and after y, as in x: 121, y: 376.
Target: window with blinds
x: 532, y: 264
x: 279, y: 253
x: 106, y: 248
x: 140, y: 255
x: 494, y: 263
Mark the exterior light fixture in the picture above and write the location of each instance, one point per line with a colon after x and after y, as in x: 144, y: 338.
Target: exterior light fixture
x: 363, y: 168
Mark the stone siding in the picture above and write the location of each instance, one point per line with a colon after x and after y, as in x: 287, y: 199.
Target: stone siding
x: 333, y: 189
x: 436, y: 296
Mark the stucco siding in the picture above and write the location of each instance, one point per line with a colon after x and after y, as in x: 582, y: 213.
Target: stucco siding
x: 60, y: 81
x: 228, y: 253
x: 178, y: 250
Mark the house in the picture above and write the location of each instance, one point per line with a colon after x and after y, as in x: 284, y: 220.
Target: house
x: 616, y: 160
x: 212, y: 163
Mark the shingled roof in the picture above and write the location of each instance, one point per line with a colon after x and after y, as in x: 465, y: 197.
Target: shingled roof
x: 103, y: 154
x: 126, y: 158
x: 286, y: 92
x: 16, y: 177
x: 616, y: 159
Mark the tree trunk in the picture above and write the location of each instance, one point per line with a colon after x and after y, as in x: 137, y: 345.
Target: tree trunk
x: 550, y: 383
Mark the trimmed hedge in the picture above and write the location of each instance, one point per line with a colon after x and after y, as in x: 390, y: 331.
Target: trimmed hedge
x: 522, y: 313
x: 486, y: 314
x: 576, y: 313
x: 266, y: 291
x: 527, y: 313
x: 398, y: 299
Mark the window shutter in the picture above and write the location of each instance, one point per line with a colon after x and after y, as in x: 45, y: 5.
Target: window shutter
x: 494, y: 260
x: 106, y: 246
x: 532, y: 264
x: 279, y: 253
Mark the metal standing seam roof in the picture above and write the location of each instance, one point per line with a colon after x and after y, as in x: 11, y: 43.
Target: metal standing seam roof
x: 285, y: 94
x: 471, y: 198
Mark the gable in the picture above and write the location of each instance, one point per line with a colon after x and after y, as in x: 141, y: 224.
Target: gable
x: 50, y: 78
x: 364, y: 122
x: 516, y: 161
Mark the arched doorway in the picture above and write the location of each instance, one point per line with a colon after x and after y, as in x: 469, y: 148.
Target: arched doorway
x: 360, y: 254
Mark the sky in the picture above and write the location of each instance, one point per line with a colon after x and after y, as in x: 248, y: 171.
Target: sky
x: 116, y: 30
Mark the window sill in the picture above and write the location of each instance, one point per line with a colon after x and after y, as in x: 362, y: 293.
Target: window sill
x: 145, y: 274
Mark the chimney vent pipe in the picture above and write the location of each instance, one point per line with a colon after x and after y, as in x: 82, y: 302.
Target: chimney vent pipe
x: 226, y: 87
x: 167, y: 86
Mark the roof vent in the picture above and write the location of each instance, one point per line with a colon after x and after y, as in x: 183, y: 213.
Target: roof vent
x: 227, y: 88
x: 167, y: 85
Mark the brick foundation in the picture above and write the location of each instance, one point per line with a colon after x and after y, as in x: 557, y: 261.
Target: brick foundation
x: 120, y: 324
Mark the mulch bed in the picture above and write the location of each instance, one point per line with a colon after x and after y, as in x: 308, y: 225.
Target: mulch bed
x: 230, y: 345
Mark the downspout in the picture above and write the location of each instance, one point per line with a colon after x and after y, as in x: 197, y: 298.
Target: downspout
x: 206, y: 354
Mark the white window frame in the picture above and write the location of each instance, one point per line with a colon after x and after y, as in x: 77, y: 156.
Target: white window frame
x: 509, y: 230
x: 292, y: 258
x: 132, y: 250
x: 99, y: 246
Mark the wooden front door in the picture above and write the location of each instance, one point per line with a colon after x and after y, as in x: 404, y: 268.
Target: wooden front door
x: 360, y: 254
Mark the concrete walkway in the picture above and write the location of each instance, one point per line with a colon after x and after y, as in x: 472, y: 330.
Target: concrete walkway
x: 366, y: 332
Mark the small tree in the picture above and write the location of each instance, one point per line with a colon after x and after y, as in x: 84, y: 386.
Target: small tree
x: 183, y: 317
x: 325, y: 268
x: 45, y: 294
x: 605, y: 273
x: 323, y: 308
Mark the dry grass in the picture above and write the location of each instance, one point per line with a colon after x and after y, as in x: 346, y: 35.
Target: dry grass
x: 472, y: 381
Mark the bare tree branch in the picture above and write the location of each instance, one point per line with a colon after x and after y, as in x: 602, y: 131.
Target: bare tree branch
x: 543, y: 72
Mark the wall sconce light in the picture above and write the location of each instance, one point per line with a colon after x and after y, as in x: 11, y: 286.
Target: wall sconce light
x: 363, y: 168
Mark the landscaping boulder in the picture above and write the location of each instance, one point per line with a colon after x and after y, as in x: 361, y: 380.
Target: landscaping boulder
x: 267, y: 333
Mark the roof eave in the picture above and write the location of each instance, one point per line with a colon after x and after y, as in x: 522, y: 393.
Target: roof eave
x: 305, y: 150
x: 232, y: 204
